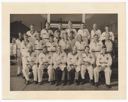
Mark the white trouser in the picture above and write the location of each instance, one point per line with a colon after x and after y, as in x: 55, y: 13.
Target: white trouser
x: 107, y: 72
x: 40, y: 72
x: 35, y: 72
x: 25, y: 71
x: 51, y: 73
x: 89, y: 68
x: 19, y: 65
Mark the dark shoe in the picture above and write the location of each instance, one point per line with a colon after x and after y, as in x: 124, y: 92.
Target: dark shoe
x: 65, y: 83
x: 27, y: 82
x: 108, y: 86
x: 96, y: 85
x: 52, y: 83
x: 77, y: 82
x: 35, y: 82
x: 83, y: 82
x: 39, y: 83
x: 70, y: 82
x: 91, y: 82
x: 18, y: 75
x: 57, y: 84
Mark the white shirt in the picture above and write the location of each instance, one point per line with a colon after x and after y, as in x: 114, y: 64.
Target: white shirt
x: 13, y: 49
x: 32, y: 36
x: 96, y: 46
x: 109, y: 45
x: 111, y: 34
x: 97, y: 32
x: 103, y: 60
x: 84, y: 33
x: 51, y: 46
x: 46, y: 33
x: 39, y: 44
x: 89, y: 58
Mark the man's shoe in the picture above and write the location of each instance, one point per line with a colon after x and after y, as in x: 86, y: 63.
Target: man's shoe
x: 91, y: 82
x: 108, y: 86
x: 96, y: 84
x: 39, y: 83
x: 35, y: 82
x: 27, y: 82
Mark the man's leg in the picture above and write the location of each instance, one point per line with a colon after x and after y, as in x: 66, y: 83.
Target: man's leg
x: 107, y: 72
x: 35, y: 73
x: 64, y: 76
x: 96, y: 75
x: 50, y: 74
x: 40, y: 74
x: 83, y: 70
x: 90, y: 71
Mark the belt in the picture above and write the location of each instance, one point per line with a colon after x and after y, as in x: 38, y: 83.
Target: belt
x: 38, y: 49
x: 95, y: 51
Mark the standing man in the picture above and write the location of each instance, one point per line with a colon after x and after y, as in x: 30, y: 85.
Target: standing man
x: 84, y: 31
x: 39, y: 44
x: 46, y: 32
x: 88, y: 61
x: 25, y: 46
x: 96, y: 46
x: 103, y: 63
x: 70, y: 28
x: 32, y: 34
x: 106, y: 33
x: 95, y: 31
x: 19, y: 57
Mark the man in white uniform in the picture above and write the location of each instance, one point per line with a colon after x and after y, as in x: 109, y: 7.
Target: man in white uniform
x: 84, y: 31
x: 45, y: 65
x: 63, y: 66
x: 73, y: 66
x: 29, y: 64
x: 103, y: 62
x: 39, y: 44
x: 32, y: 34
x: 51, y: 46
x: 46, y: 32
x: 69, y: 29
x: 96, y: 46
x: 25, y: 46
x: 88, y: 61
x: 95, y: 31
x: 19, y: 60
x: 106, y: 33
x: 56, y: 65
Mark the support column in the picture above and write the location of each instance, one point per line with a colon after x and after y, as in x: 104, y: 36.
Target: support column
x: 48, y: 18
x: 83, y: 18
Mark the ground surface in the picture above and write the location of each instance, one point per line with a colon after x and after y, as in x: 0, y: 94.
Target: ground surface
x: 18, y: 84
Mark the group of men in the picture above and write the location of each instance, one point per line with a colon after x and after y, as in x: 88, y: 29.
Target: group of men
x: 65, y: 54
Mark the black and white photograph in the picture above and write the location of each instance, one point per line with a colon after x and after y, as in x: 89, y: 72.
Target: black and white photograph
x: 64, y: 52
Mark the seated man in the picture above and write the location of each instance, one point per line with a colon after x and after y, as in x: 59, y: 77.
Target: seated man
x: 29, y: 64
x: 45, y: 65
x: 73, y: 66
x: 56, y: 65
x: 88, y: 61
x: 103, y: 62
